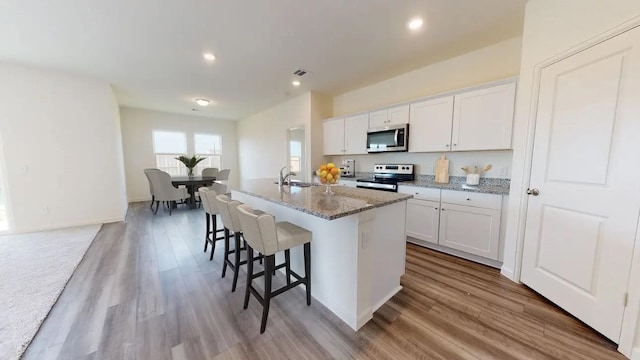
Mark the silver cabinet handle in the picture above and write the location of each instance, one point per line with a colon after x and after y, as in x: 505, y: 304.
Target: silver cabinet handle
x: 447, y: 145
x: 534, y: 192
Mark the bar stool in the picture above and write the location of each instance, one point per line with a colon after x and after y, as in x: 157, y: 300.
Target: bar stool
x: 264, y: 234
x: 229, y: 215
x: 207, y: 196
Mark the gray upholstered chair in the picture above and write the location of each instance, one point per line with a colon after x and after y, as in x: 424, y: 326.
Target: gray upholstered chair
x: 223, y: 175
x: 146, y: 173
x: 210, y: 172
x: 261, y: 232
x: 207, y: 197
x: 229, y: 215
x: 163, y: 189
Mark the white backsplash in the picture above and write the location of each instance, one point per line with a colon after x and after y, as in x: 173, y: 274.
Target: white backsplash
x: 425, y: 162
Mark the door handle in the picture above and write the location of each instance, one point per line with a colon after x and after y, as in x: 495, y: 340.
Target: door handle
x: 534, y: 192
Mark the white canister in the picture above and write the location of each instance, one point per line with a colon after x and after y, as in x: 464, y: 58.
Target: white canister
x: 473, y: 179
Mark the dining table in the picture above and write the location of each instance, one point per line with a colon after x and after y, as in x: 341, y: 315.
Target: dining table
x: 192, y: 183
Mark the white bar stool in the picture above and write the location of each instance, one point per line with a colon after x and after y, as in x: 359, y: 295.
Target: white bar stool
x: 207, y: 196
x: 262, y: 233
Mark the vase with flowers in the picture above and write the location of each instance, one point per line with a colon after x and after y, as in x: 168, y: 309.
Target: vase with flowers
x: 190, y: 162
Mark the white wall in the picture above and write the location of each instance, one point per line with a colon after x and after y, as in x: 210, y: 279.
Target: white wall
x: 62, y: 149
x: 137, y: 139
x: 262, y: 138
x: 498, y: 61
x: 551, y: 28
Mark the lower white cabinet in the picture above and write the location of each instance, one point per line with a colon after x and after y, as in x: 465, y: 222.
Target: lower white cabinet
x: 348, y: 183
x: 423, y: 217
x: 474, y: 230
x: 464, y: 221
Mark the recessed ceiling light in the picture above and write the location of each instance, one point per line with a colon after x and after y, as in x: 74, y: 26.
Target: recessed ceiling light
x: 295, y: 83
x: 209, y: 56
x: 415, y: 24
x: 202, y: 102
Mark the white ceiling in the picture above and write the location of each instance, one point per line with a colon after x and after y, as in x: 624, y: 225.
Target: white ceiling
x: 151, y: 51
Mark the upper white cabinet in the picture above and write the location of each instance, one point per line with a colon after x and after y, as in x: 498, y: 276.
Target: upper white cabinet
x: 355, y: 134
x: 396, y: 115
x: 430, y: 125
x: 333, y: 136
x: 346, y: 136
x: 483, y: 119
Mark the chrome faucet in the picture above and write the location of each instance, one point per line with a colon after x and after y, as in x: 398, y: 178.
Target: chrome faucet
x: 284, y: 178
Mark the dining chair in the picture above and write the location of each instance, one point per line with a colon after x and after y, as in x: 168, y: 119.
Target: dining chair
x: 210, y: 172
x: 146, y: 173
x: 163, y: 190
x: 223, y: 175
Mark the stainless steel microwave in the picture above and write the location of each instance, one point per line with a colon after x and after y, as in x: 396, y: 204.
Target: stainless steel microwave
x: 388, y: 138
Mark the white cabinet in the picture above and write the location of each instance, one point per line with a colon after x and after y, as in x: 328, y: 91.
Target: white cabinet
x: 430, y: 125
x: 460, y: 220
x: 470, y: 222
x: 355, y: 134
x: 396, y: 115
x: 483, y: 119
x: 346, y: 136
x: 423, y: 217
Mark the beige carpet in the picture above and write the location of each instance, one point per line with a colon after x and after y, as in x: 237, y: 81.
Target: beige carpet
x: 34, y: 269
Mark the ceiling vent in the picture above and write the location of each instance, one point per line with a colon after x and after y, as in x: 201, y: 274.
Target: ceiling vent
x: 300, y: 72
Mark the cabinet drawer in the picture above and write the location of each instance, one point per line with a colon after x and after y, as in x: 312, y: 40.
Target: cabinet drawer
x: 490, y: 201
x: 420, y: 192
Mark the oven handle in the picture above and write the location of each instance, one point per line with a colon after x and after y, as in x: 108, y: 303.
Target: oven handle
x: 395, y: 138
x: 368, y: 185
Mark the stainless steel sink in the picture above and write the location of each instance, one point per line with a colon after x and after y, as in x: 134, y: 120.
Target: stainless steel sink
x: 297, y: 183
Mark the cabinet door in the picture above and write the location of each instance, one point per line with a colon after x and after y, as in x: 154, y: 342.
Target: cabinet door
x: 398, y: 115
x: 355, y: 134
x: 333, y: 136
x: 348, y: 183
x: 482, y: 119
x: 378, y: 118
x: 430, y: 125
x: 470, y: 229
x: 423, y: 218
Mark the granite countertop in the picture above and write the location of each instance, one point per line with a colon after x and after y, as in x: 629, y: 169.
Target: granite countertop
x: 487, y: 185
x: 313, y: 200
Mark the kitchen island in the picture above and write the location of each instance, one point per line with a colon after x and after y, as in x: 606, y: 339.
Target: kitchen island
x: 359, y: 242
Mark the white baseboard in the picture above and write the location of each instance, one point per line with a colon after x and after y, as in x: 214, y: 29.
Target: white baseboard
x: 71, y: 225
x: 508, y: 273
x: 454, y: 252
x: 635, y: 354
x: 139, y: 199
x: 384, y: 300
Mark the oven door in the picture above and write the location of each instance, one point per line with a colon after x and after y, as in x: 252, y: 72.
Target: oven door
x: 389, y: 138
x: 377, y: 186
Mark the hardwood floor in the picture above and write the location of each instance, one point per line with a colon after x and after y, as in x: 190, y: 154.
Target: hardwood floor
x: 146, y: 290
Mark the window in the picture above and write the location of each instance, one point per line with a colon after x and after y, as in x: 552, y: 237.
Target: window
x: 168, y: 145
x: 208, y: 146
x: 295, y: 153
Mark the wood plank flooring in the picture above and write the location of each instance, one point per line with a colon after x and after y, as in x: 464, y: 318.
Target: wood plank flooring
x: 146, y: 290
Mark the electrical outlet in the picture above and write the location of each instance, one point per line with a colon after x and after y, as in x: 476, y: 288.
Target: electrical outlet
x: 504, y: 171
x: 430, y: 170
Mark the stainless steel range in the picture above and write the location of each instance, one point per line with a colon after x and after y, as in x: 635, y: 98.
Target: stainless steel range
x: 386, y: 177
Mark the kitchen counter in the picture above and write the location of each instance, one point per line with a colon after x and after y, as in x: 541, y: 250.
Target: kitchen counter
x: 358, y: 245
x: 313, y: 200
x: 457, y: 183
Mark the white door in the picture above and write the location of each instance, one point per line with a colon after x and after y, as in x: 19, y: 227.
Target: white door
x: 470, y: 229
x: 580, y: 229
x: 333, y: 136
x: 483, y: 119
x: 355, y: 134
x: 423, y: 218
x: 430, y: 125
